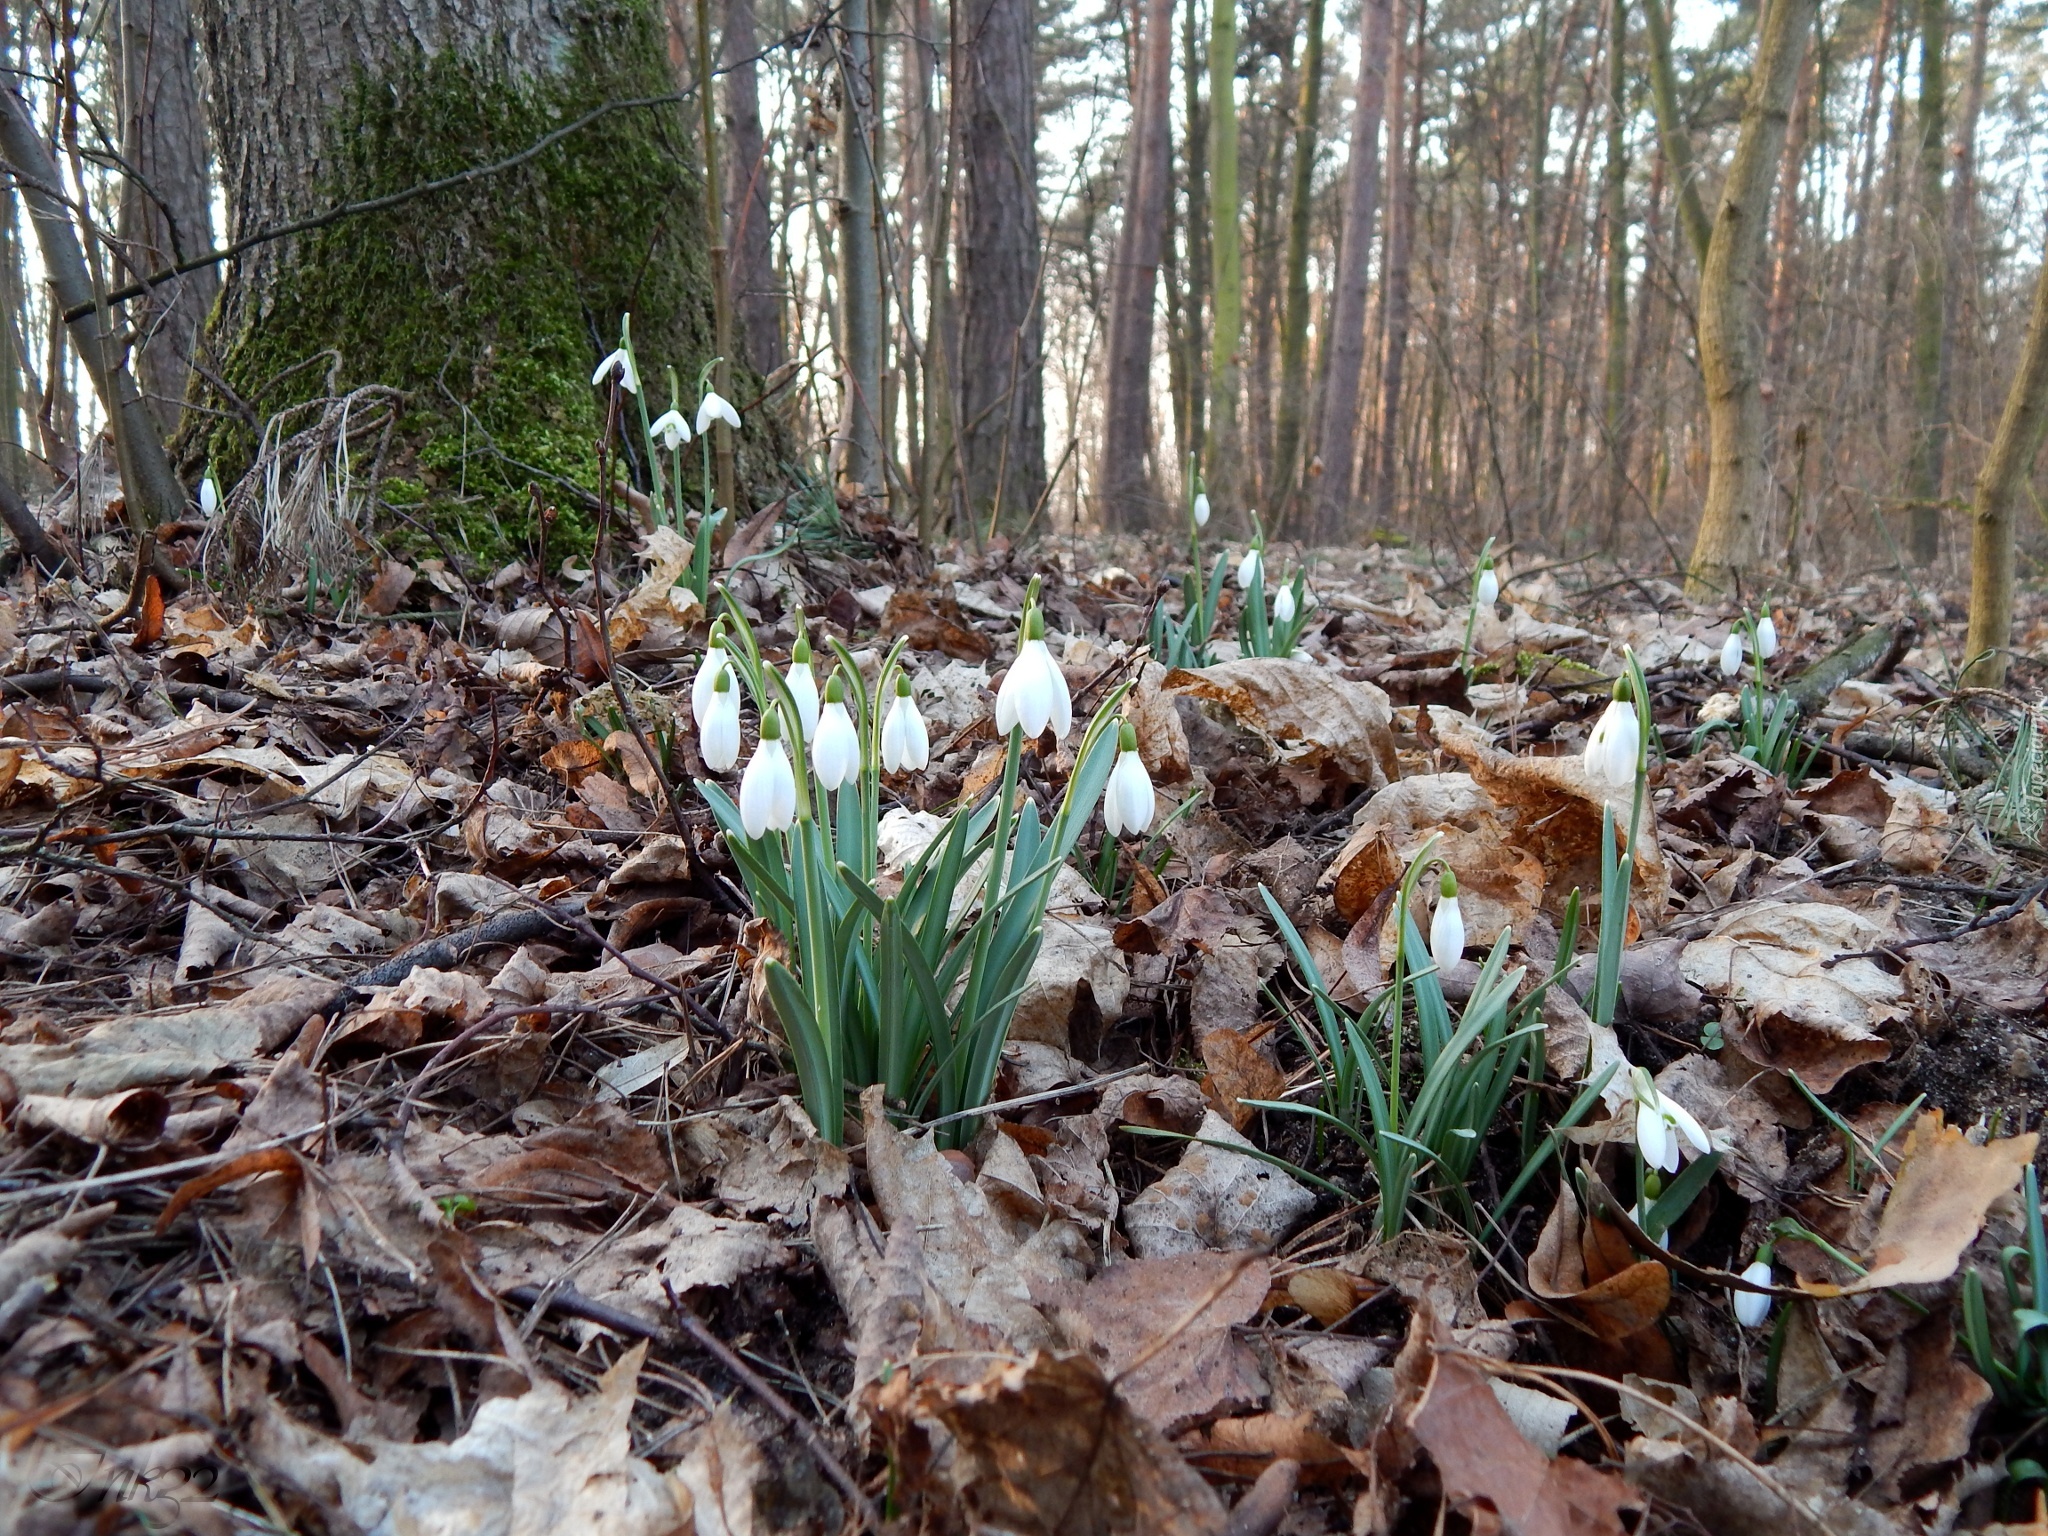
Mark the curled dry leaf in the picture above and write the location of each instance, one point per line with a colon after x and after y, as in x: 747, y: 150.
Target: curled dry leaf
x: 1319, y: 719
x: 133, y: 1118
x: 1215, y: 1198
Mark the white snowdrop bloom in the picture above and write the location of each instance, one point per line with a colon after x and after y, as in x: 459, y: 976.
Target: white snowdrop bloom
x: 716, y: 408
x: 1447, y: 926
x: 1127, y: 803
x: 1766, y: 637
x: 714, y: 665
x: 1662, y: 1124
x: 1616, y: 742
x: 718, y: 724
x: 1201, y: 509
x: 1487, y: 590
x: 1731, y: 653
x: 835, y: 755
x: 1034, y: 692
x: 1752, y: 1308
x: 1283, y: 606
x: 209, y: 495
x: 621, y: 363
x: 768, y: 787
x: 906, y: 746
x: 803, y: 685
x: 1251, y: 568
x: 670, y: 427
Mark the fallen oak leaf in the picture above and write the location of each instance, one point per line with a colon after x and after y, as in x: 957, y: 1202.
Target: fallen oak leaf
x: 270, y: 1160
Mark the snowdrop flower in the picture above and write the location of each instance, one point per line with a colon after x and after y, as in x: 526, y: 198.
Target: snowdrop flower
x: 1486, y: 590
x: 905, y: 744
x: 716, y: 408
x: 768, y: 787
x: 1731, y: 653
x: 803, y: 686
x: 1447, y: 927
x: 1201, y: 509
x: 1662, y: 1124
x: 621, y: 363
x: 1766, y: 637
x: 1034, y: 692
x: 1127, y: 803
x: 1751, y: 1308
x: 1615, y: 745
x: 1251, y: 568
x: 209, y: 495
x: 835, y: 755
x: 714, y: 666
x: 718, y: 723
x: 670, y: 427
x: 1283, y: 606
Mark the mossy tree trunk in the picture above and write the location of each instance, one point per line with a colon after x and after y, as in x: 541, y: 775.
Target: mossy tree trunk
x: 489, y: 303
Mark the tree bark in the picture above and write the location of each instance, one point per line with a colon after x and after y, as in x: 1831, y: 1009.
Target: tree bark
x: 1293, y: 402
x: 1614, y: 390
x: 860, y: 263
x: 1224, y: 461
x: 1129, y: 487
x: 1344, y: 350
x: 2000, y: 485
x: 1195, y: 302
x: 1930, y: 285
x: 166, y: 203
x: 1404, y: 109
x: 1738, y: 474
x: 1692, y: 210
x: 488, y: 303
x: 756, y: 293
x: 1002, y: 372
x: 1785, y: 238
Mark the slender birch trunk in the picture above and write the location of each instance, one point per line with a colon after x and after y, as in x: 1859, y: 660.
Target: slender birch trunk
x: 1293, y: 401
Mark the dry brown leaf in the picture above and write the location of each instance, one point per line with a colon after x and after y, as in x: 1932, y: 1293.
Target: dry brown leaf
x: 1238, y: 1070
x: 1045, y: 1446
x: 1215, y: 1198
x: 387, y: 592
x: 1937, y: 1411
x: 1613, y: 1296
x: 574, y: 760
x: 149, y: 621
x: 1320, y: 720
x: 134, y: 1118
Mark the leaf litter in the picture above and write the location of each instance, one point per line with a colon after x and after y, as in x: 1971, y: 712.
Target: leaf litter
x: 398, y: 1133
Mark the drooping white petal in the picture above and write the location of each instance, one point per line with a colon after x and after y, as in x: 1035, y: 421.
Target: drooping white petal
x: 1731, y: 653
x: 1614, y: 745
x: 1681, y: 1120
x: 1766, y: 637
x: 1250, y: 569
x: 1489, y: 588
x: 715, y: 407
x: 209, y: 496
x: 1127, y: 803
x: 1447, y: 933
x: 1034, y: 694
x: 835, y: 755
x: 803, y: 687
x: 672, y: 429
x: 768, y: 790
x: 905, y: 745
x: 1653, y: 1135
x: 1752, y: 1310
x: 706, y: 681
x: 718, y: 732
x: 1201, y: 509
x: 621, y: 363
x: 1283, y: 606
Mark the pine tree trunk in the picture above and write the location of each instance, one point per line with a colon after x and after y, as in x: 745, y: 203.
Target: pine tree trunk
x: 1962, y: 217
x: 1404, y: 109
x: 1785, y: 239
x: 1127, y: 477
x: 860, y: 260
x: 2000, y: 485
x: 166, y: 204
x: 1692, y: 211
x: 488, y: 303
x: 1738, y: 474
x: 1344, y: 348
x: 1002, y: 373
x: 1293, y: 401
x: 1195, y: 302
x: 756, y: 293
x: 1930, y: 284
x: 1614, y: 387
x: 1225, y: 451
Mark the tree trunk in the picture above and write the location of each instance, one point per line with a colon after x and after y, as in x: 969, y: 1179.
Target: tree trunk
x: 1692, y: 211
x: 1404, y: 109
x: 1738, y: 474
x: 1344, y: 348
x: 1129, y: 489
x: 2000, y: 485
x: 166, y: 204
x: 1002, y: 373
x: 860, y: 261
x: 1195, y: 149
x: 1962, y: 217
x: 1930, y: 285
x: 1614, y: 388
x: 1293, y: 401
x: 488, y: 303
x: 756, y: 294
x: 1226, y: 259
x: 1785, y: 239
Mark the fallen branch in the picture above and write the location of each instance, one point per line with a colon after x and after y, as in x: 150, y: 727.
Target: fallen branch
x: 1870, y: 653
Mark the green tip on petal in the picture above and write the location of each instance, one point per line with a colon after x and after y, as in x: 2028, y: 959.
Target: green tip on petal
x: 771, y: 725
x: 1034, y: 624
x: 1622, y: 691
x: 800, y: 653
x: 1448, y: 886
x: 903, y: 689
x: 835, y: 689
x: 723, y: 682
x: 1127, y: 737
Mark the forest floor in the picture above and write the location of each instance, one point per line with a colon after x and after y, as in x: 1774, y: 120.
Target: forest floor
x: 398, y: 1136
